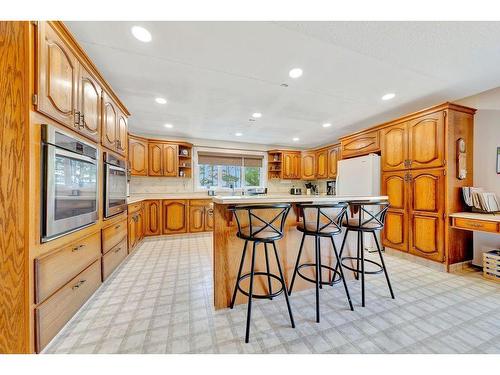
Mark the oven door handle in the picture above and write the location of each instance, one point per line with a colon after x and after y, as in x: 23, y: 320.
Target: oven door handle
x: 74, y: 155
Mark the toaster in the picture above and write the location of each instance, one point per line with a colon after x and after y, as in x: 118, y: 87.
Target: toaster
x: 295, y: 191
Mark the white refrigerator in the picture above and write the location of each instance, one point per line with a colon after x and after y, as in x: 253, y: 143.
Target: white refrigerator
x: 359, y: 176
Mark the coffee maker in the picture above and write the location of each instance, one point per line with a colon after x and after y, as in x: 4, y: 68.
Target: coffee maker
x: 331, y: 187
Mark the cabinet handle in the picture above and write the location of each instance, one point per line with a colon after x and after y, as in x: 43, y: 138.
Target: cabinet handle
x: 117, y: 250
x: 76, y: 248
x: 117, y: 226
x: 82, y: 121
x: 77, y: 118
x: 78, y: 284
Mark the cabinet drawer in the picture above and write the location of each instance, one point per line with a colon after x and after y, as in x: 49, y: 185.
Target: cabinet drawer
x: 113, y: 235
x: 56, y: 268
x: 134, y: 207
x: 113, y: 258
x: 485, y: 226
x: 54, y: 313
x: 200, y: 202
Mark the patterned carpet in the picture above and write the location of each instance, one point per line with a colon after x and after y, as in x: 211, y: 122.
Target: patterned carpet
x: 160, y: 301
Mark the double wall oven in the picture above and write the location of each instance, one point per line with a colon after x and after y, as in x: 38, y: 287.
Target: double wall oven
x: 115, y: 185
x: 70, y: 183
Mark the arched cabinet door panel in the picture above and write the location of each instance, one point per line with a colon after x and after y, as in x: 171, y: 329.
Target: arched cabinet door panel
x: 138, y: 156
x: 394, y: 146
x: 322, y: 164
x: 395, y: 186
x: 333, y: 158
x: 174, y: 216
x: 308, y: 166
x: 196, y: 218
x: 426, y: 141
x: 155, y: 157
x: 109, y: 121
x: 152, y: 217
x: 121, y: 134
x: 170, y: 160
x: 89, y: 99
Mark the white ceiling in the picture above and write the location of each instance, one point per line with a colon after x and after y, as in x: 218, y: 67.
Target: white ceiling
x: 216, y: 74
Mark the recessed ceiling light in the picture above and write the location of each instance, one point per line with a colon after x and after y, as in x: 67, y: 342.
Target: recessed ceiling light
x: 161, y: 100
x: 169, y: 126
x: 257, y: 115
x: 388, y: 96
x: 295, y: 73
x: 141, y: 34
x: 238, y: 134
x: 295, y: 139
x: 327, y: 125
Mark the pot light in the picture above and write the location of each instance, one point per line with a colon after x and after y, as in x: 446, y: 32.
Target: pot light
x: 295, y: 139
x: 295, y: 73
x: 388, y: 96
x: 141, y: 34
x: 327, y: 125
x: 238, y: 134
x: 257, y: 115
x: 161, y: 100
x: 169, y: 126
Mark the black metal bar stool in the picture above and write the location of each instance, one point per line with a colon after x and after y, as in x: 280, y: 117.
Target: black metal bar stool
x: 321, y: 220
x: 254, y: 228
x: 369, y: 217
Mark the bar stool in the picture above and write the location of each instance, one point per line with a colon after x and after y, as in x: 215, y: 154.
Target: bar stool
x: 254, y: 228
x: 370, y: 219
x: 321, y: 220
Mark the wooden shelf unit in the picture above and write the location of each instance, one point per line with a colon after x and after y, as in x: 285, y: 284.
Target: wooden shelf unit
x: 185, y: 160
x: 274, y: 164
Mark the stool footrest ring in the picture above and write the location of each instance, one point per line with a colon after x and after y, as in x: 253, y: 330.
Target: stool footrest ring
x: 336, y: 274
x: 381, y: 269
x: 260, y: 296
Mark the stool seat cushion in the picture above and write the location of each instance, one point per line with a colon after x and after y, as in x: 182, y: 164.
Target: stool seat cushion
x: 267, y: 233
x: 312, y: 228
x: 354, y: 223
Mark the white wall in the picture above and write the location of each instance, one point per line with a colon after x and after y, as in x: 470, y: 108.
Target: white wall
x: 486, y: 141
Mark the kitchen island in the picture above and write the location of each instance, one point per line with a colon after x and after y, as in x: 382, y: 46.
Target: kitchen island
x: 227, y: 247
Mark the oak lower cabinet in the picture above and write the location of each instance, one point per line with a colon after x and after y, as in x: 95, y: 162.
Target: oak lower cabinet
x: 174, y: 216
x: 138, y: 156
x: 415, y: 221
x: 152, y: 218
x: 135, y: 225
x: 113, y: 258
x: 201, y: 215
x: 308, y: 165
x: 322, y: 163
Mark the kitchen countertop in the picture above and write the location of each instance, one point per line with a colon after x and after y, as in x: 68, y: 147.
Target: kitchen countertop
x: 134, y: 198
x: 289, y: 198
x: 477, y: 216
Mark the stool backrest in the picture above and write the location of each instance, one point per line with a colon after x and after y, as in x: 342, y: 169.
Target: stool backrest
x: 321, y: 217
x: 259, y: 218
x: 370, y: 214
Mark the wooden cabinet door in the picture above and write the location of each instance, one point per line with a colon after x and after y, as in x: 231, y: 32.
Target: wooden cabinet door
x: 174, y: 216
x: 426, y: 141
x: 155, y: 159
x: 361, y: 144
x: 109, y: 120
x: 89, y: 105
x: 57, y: 77
x: 140, y: 225
x: 170, y: 160
x: 308, y: 167
x: 196, y: 218
x: 394, y: 147
x: 395, y: 234
x: 121, y: 134
x: 138, y: 156
x: 322, y: 164
x: 296, y: 161
x: 426, y: 210
x: 333, y: 158
x: 209, y: 218
x: 152, y: 217
x: 132, y: 234
x: 287, y: 166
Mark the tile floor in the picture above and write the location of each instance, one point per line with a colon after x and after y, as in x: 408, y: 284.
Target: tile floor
x: 160, y: 301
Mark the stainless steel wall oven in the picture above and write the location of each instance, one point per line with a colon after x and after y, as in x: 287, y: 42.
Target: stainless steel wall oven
x: 70, y: 183
x: 115, y: 185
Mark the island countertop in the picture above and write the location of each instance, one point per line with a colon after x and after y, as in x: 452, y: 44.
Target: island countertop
x: 289, y: 198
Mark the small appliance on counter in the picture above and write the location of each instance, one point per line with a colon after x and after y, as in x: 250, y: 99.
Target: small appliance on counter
x: 331, y: 187
x: 257, y: 191
x: 296, y: 191
x: 211, y: 192
x: 311, y: 189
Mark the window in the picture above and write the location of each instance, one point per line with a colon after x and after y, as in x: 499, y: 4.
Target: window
x: 227, y: 170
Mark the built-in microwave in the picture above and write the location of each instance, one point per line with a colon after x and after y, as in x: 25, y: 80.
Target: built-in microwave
x: 115, y: 184
x: 70, y: 183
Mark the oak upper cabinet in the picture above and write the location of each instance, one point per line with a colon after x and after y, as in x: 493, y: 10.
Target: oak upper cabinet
x: 57, y: 77
x: 333, y: 158
x: 322, y: 163
x: 121, y: 134
x: 426, y: 209
x: 138, y: 156
x: 163, y: 159
x: 90, y: 106
x: 394, y: 147
x: 174, y: 216
x: 426, y: 141
x: 361, y: 144
x: 152, y: 218
x: 291, y: 165
x: 196, y: 219
x: 109, y: 122
x: 170, y: 160
x: 395, y: 234
x: 308, y: 167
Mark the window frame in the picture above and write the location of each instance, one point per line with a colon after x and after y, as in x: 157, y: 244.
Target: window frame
x: 196, y: 176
